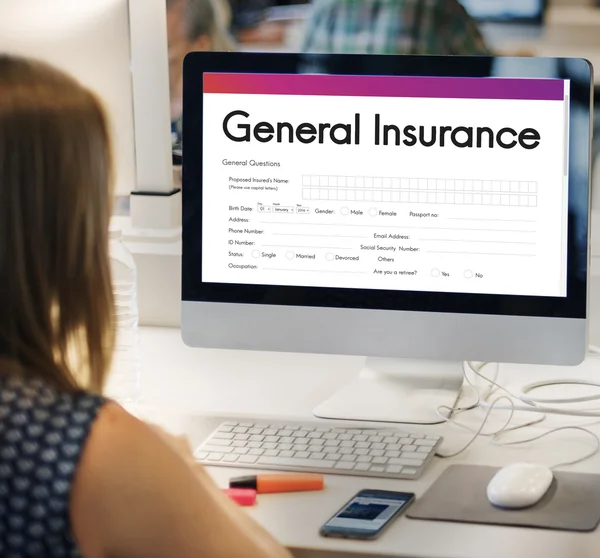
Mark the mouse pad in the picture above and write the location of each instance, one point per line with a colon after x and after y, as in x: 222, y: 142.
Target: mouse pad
x: 571, y: 504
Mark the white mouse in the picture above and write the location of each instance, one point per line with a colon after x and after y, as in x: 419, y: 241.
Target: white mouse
x: 519, y: 485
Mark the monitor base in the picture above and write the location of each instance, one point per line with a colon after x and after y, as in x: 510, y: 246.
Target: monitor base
x: 396, y: 390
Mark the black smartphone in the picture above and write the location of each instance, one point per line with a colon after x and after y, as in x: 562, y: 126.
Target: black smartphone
x: 367, y: 514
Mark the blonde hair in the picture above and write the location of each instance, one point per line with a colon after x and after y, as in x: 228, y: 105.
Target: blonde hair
x: 55, y: 204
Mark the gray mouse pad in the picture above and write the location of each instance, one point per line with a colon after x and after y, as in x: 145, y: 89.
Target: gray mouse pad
x: 571, y: 504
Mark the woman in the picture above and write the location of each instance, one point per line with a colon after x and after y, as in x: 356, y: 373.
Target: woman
x: 78, y: 475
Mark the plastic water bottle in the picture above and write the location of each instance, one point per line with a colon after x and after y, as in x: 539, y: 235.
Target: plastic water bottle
x: 124, y: 383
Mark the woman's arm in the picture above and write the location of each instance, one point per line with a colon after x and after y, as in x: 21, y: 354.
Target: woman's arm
x: 135, y: 496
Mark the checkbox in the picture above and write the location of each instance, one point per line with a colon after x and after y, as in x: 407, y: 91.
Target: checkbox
x: 369, y: 195
x: 532, y: 201
x: 351, y: 195
x: 524, y: 200
x: 524, y: 187
x: 360, y: 181
x: 450, y: 185
x: 360, y: 195
x: 422, y: 184
x: 477, y: 199
x: 487, y: 186
x: 431, y: 183
x: 369, y: 182
x: 306, y: 194
x: 341, y: 181
x: 395, y: 196
x: 469, y: 185
x: 431, y: 197
x: 441, y: 185
x: 504, y: 200
x: 387, y: 182
x: 450, y: 197
x: 323, y: 181
x: 314, y: 180
x: 496, y: 186
x: 487, y: 199
x: 533, y: 187
x: 323, y: 194
x: 377, y: 195
x: 414, y: 184
x: 496, y: 199
x: 477, y: 185
x: 440, y: 197
x: 386, y: 196
x: 396, y: 183
x: 514, y: 200
x: 378, y: 182
x: 404, y: 197
x: 333, y: 181
x: 505, y: 186
x: 459, y: 199
x: 351, y: 182
x: 342, y: 195
x: 469, y: 199
x: 514, y: 187
x: 306, y: 180
x: 314, y: 194
x: 414, y: 197
x: 333, y: 194
x: 460, y: 185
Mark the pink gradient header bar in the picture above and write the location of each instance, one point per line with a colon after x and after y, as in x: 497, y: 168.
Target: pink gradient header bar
x: 385, y: 86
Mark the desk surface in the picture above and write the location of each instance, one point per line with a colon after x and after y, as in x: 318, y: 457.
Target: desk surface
x: 182, y: 384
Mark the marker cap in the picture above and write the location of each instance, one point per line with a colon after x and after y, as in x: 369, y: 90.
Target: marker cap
x: 241, y: 496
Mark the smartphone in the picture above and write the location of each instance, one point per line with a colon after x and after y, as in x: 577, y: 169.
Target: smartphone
x: 367, y: 514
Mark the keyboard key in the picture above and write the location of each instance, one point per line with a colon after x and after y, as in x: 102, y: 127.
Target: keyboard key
x: 376, y: 453
x: 284, y: 432
x: 314, y: 442
x: 405, y: 462
x: 406, y: 441
x: 217, y: 449
x: 344, y: 437
x: 359, y: 438
x: 287, y: 439
x: 394, y: 469
x: 360, y: 451
x: 379, y: 460
x: 255, y: 431
x: 333, y: 457
x: 217, y: 442
x: 377, y: 469
x: 270, y: 432
x: 423, y: 449
x: 353, y: 431
x: 413, y: 455
x: 291, y: 462
x: 362, y: 445
x: 250, y: 459
x: 394, y: 447
x: 284, y: 447
x: 390, y: 440
x: 362, y: 467
x: 256, y: 438
x: 227, y: 424
x: 348, y: 458
x: 300, y: 447
x: 214, y: 457
x: 269, y: 445
x: 380, y: 445
x: 345, y: 451
x: 426, y: 443
x: 330, y: 436
x: 256, y: 452
x: 375, y: 439
x: 332, y: 443
x: 317, y: 455
x: 302, y: 454
x: 364, y: 459
x: 392, y: 454
x: 410, y: 448
x: 407, y: 471
x: 271, y: 453
x: 240, y: 430
x: 254, y: 445
x: 230, y: 458
x: 241, y: 451
x: 344, y: 465
x: 287, y: 454
x: 201, y: 455
x: 347, y: 444
x: 322, y: 429
x: 246, y: 424
x: 271, y: 438
x: 299, y: 434
x: 315, y: 435
x: 223, y: 436
x: 239, y: 444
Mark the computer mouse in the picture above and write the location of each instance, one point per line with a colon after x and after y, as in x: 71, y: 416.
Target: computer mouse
x: 519, y: 485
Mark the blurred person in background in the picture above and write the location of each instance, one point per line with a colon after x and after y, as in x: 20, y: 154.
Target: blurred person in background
x: 192, y: 25
x: 250, y: 25
x: 392, y: 27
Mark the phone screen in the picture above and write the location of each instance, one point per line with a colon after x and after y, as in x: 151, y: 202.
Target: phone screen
x: 367, y: 513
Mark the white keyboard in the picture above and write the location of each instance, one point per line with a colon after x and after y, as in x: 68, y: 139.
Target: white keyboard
x: 372, y: 452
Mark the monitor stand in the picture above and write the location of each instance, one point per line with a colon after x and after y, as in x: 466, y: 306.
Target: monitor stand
x: 396, y: 390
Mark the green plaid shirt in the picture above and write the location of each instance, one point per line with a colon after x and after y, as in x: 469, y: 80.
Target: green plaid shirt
x: 392, y: 27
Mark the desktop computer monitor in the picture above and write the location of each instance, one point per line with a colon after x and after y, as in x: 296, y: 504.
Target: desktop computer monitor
x: 419, y: 211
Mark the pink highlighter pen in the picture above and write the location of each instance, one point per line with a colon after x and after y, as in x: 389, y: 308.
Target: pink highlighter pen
x: 241, y: 496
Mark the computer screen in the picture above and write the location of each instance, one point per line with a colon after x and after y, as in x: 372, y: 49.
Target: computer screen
x: 505, y: 10
x: 386, y: 206
x: 443, y: 185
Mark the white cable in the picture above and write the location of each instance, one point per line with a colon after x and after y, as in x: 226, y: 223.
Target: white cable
x: 554, y: 431
x: 506, y: 428
x: 594, y: 349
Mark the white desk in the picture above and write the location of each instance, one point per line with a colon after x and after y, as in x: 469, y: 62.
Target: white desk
x: 185, y: 383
